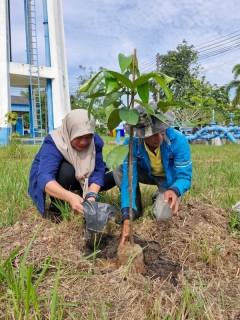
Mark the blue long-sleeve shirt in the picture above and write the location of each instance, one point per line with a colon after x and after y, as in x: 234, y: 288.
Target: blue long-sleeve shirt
x: 46, y: 164
x: 176, y: 160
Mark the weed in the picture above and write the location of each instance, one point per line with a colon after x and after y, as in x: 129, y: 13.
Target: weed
x: 208, y: 252
x: 65, y: 209
x: 130, y: 260
x: 15, y: 148
x: 21, y: 292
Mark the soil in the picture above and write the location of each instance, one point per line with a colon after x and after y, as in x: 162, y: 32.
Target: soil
x: 156, y: 264
x: 191, y: 267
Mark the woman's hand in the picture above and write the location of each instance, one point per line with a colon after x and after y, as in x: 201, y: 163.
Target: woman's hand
x: 91, y: 198
x: 55, y: 190
x: 75, y: 202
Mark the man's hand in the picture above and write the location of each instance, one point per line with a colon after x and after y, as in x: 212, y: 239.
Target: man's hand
x: 76, y: 202
x: 171, y: 197
x: 125, y: 232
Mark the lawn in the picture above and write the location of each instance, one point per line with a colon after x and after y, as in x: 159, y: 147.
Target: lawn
x: 50, y: 271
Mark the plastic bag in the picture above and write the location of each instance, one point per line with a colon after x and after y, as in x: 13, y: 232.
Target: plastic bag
x: 236, y: 208
x: 97, y: 215
x: 161, y: 210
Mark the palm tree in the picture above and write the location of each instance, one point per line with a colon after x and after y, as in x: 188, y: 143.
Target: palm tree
x: 235, y: 84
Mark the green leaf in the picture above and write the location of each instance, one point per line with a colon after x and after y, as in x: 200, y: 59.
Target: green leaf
x: 161, y: 81
x: 113, y: 119
x: 135, y: 67
x: 116, y: 157
x: 124, y: 62
x: 143, y: 78
x: 143, y: 92
x: 167, y: 78
x: 137, y: 72
x: 87, y: 84
x: 110, y: 82
x: 95, y: 83
x: 163, y: 85
x: 109, y: 110
x: 116, y: 104
x: 90, y: 107
x: 97, y: 94
x: 160, y: 117
x: 153, y: 88
x: 121, y: 78
x: 129, y: 115
x: 145, y: 105
x: 127, y: 73
x: 112, y: 97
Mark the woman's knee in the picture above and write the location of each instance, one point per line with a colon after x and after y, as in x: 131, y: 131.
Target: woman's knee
x: 66, y: 176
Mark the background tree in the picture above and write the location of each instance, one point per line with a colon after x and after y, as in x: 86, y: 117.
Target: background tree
x: 235, y: 84
x: 78, y: 100
x: 192, y: 88
x: 204, y: 97
x: 181, y: 64
x: 199, y: 115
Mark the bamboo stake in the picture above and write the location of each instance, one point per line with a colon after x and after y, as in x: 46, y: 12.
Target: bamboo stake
x: 130, y: 155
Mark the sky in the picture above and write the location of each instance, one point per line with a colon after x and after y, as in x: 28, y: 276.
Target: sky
x: 97, y: 31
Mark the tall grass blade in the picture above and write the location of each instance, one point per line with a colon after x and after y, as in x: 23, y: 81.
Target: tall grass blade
x: 131, y: 260
x: 91, y: 309
x: 28, y: 289
x: 42, y: 273
x: 23, y: 262
x: 35, y: 303
x: 93, y: 254
x: 55, y: 296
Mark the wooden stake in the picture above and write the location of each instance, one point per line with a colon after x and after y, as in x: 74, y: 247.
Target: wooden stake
x: 130, y: 154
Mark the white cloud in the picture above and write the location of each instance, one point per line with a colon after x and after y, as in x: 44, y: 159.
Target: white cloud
x: 96, y: 31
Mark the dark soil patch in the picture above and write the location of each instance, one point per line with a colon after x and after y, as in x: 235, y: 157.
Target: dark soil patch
x: 156, y: 262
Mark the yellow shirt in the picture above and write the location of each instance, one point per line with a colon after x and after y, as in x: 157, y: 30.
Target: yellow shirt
x: 155, y: 162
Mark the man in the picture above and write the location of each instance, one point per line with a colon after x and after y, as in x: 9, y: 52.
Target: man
x: 161, y: 157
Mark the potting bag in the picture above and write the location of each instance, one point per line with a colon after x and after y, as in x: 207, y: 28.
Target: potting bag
x: 161, y: 209
x: 97, y: 215
x: 236, y: 208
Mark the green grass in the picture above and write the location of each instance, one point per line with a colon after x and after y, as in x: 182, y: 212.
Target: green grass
x: 216, y: 174
x: 216, y: 178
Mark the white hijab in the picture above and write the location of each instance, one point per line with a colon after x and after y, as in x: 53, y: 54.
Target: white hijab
x: 75, y: 124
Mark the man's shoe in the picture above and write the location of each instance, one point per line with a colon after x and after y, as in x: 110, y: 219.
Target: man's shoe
x: 135, y: 215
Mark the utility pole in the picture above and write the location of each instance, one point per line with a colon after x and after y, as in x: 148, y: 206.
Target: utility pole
x: 158, y: 69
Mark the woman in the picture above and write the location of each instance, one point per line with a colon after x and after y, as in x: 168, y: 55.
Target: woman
x: 70, y: 159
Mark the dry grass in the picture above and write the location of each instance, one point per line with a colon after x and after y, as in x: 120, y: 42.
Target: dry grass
x: 208, y: 284
x: 198, y: 244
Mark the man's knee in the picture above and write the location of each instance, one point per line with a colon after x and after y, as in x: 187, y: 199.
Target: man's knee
x: 117, y: 174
